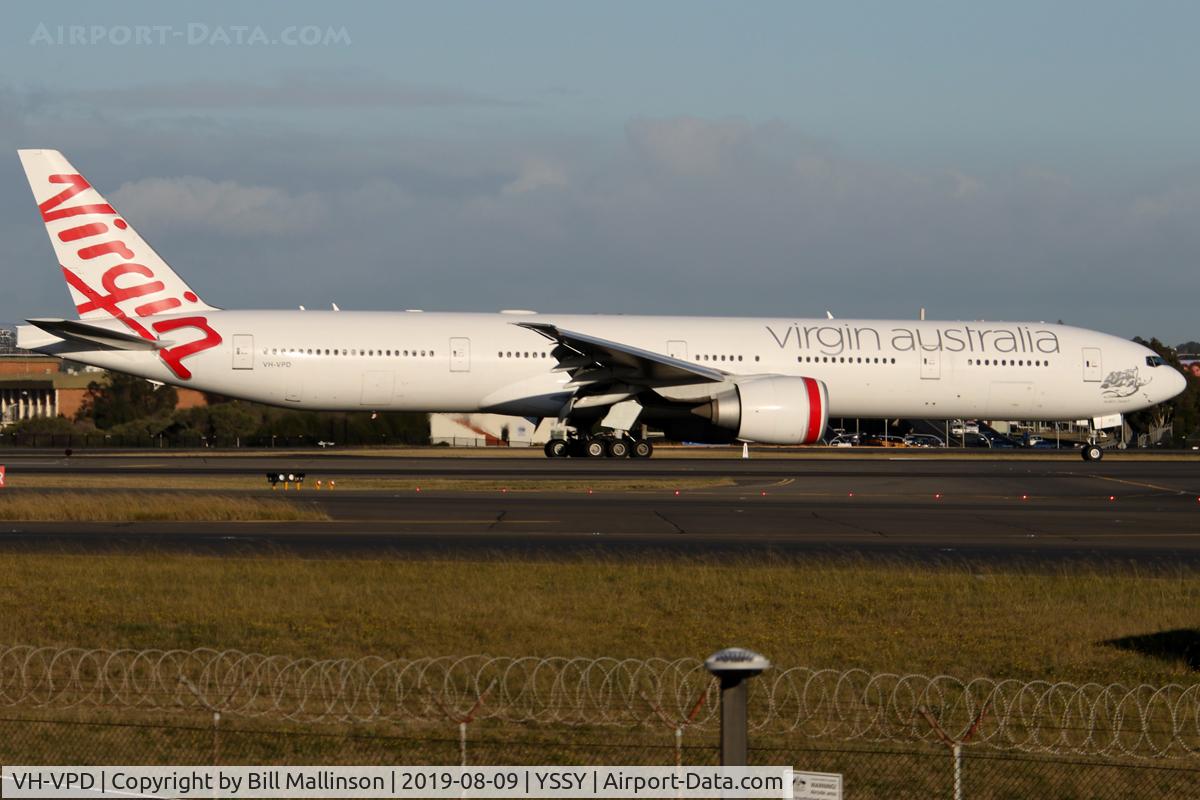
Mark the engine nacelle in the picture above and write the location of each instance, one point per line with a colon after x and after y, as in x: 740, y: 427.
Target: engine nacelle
x: 774, y: 409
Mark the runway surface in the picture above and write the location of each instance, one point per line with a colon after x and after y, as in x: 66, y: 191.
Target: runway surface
x: 1034, y: 509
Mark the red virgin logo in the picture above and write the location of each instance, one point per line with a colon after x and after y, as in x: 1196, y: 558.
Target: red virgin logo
x: 127, y: 290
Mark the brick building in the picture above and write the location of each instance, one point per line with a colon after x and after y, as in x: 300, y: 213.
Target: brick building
x: 37, y: 386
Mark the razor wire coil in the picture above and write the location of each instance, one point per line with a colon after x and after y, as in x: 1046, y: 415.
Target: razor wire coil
x: 1033, y: 716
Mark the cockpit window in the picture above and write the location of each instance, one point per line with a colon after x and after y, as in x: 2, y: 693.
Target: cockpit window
x: 1155, y: 361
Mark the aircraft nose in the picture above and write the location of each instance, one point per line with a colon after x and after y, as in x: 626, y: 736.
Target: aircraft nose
x: 1178, y: 384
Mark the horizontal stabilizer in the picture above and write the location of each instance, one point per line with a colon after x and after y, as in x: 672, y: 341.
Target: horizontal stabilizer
x: 96, y: 335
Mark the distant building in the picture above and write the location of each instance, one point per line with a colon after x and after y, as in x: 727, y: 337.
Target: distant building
x: 488, y: 430
x: 34, y: 385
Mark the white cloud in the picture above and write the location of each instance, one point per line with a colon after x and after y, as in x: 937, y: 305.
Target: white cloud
x: 537, y: 173
x: 191, y: 203
x: 688, y: 145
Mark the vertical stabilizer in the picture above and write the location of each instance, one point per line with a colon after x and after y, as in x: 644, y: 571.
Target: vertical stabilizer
x: 109, y: 268
x: 111, y: 271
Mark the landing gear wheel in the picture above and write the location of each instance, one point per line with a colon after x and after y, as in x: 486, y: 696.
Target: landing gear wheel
x: 1092, y: 452
x: 642, y: 449
x: 618, y: 448
x: 556, y: 448
x: 595, y: 448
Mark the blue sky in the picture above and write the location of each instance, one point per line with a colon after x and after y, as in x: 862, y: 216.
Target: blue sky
x: 1016, y: 160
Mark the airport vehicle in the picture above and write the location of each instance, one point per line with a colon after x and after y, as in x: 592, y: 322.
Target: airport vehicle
x: 844, y: 440
x: 705, y: 379
x: 958, y: 427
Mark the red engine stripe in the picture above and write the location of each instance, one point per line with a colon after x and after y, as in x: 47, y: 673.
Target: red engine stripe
x: 815, y: 414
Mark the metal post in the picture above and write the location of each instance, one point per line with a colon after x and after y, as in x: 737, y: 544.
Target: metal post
x: 734, y: 738
x: 216, y: 738
x: 734, y: 666
x: 958, y: 786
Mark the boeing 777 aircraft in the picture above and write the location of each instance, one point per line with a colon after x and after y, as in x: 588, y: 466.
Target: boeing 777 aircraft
x: 715, y: 379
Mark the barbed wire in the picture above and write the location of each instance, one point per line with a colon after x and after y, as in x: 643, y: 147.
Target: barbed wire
x: 1035, y: 716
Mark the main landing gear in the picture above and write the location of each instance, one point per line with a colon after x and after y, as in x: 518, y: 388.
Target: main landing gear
x: 601, y: 446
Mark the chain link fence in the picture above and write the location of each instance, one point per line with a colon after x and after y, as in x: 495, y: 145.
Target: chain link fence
x: 890, y: 735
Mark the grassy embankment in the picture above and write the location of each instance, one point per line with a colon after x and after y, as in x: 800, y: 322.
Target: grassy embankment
x: 882, y: 617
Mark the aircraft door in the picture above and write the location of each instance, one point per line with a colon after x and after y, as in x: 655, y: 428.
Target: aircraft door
x: 1092, y: 366
x: 377, y: 389
x: 243, y: 351
x: 931, y: 365
x: 460, y: 354
x: 677, y: 349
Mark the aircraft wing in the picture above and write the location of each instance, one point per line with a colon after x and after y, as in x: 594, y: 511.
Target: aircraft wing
x: 592, y: 361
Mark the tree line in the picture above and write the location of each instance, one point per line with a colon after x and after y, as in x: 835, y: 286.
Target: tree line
x: 125, y: 410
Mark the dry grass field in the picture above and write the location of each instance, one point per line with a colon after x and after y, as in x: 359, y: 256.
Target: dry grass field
x: 357, y: 483
x: 131, y: 506
x: 1029, y: 624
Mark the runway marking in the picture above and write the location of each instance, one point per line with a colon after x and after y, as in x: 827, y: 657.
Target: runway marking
x: 1139, y: 484
x: 491, y: 521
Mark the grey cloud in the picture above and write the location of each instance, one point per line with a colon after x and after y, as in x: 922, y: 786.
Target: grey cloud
x: 290, y: 92
x: 223, y: 207
x: 678, y: 215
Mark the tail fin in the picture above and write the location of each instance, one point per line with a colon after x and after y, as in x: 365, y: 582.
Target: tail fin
x: 111, y: 271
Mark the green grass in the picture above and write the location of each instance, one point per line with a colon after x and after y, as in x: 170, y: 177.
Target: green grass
x: 127, y: 506
x: 841, y: 614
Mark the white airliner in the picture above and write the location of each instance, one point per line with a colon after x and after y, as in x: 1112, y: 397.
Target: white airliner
x: 712, y: 379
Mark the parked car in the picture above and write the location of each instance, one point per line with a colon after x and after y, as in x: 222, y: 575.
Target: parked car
x: 923, y: 440
x: 958, y: 427
x: 844, y: 440
x: 879, y: 440
x: 971, y: 440
x: 1000, y: 442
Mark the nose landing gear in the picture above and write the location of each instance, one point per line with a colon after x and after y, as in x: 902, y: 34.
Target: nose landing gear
x: 1091, y: 450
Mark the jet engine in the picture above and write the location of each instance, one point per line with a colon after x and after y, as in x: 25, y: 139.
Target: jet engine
x: 773, y: 409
